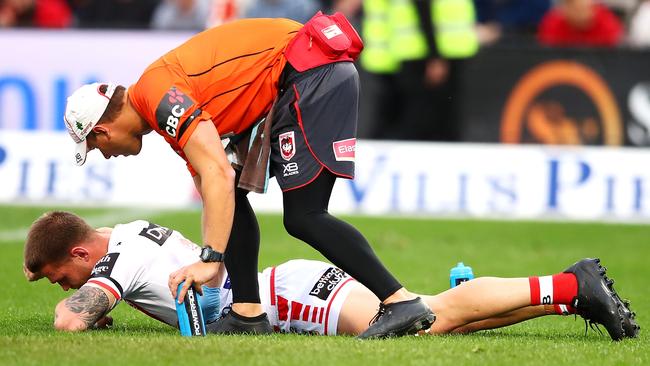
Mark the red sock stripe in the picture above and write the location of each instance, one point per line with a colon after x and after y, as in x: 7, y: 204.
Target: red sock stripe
x: 562, y: 309
x: 565, y: 288
x: 534, y: 290
x: 570, y: 309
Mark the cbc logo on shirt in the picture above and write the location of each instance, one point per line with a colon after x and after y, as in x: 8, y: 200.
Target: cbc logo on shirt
x: 171, y: 108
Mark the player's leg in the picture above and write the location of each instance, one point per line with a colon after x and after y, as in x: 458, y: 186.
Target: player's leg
x: 357, y: 311
x: 246, y: 315
x: 583, y: 286
x: 506, y: 319
x: 477, y: 300
x: 490, y: 302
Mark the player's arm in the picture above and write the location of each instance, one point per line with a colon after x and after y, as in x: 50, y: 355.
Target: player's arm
x: 83, y: 309
x: 216, y: 184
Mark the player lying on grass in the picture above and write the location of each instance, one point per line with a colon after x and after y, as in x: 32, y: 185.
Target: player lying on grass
x: 133, y: 262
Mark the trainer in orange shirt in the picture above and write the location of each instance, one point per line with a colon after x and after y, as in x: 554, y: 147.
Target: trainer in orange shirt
x: 285, y: 95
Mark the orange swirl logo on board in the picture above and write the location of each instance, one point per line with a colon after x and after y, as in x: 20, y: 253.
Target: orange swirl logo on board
x: 529, y: 116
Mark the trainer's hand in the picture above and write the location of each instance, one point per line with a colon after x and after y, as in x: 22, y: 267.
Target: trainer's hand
x: 195, y: 274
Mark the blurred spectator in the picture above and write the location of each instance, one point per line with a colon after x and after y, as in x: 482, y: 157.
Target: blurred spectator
x: 224, y: 11
x: 16, y: 13
x: 181, y: 15
x: 411, y: 61
x: 509, y: 19
x: 640, y: 26
x: 622, y: 8
x: 298, y: 10
x: 350, y: 8
x: 114, y: 13
x: 580, y: 23
x: 35, y: 13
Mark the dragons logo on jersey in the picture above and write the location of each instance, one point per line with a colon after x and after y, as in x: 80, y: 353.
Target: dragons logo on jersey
x: 287, y: 145
x: 156, y: 233
x: 104, y: 265
x: 171, y: 108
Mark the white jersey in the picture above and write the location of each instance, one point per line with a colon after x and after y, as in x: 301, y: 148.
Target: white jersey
x: 299, y: 296
x: 136, y: 268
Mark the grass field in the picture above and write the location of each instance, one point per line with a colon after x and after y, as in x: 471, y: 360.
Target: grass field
x: 419, y: 253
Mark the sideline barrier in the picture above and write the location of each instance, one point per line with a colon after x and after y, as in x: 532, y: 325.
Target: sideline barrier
x: 556, y: 95
x: 393, y: 178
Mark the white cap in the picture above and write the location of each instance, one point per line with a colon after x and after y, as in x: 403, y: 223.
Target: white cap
x: 84, y: 109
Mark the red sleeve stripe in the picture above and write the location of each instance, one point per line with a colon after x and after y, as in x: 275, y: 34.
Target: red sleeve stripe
x: 106, y: 287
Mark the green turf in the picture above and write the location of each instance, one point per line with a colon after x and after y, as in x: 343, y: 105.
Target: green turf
x: 419, y: 252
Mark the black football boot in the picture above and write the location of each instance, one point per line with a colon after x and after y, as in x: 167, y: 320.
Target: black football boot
x: 233, y: 323
x: 400, y: 319
x: 630, y: 325
x: 596, y: 301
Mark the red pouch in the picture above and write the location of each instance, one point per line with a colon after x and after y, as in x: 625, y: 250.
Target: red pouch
x: 323, y: 39
x: 356, y: 43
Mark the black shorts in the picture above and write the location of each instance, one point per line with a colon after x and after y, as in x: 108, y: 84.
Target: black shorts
x: 315, y: 124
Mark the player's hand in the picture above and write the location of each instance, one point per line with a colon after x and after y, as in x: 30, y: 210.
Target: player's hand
x: 104, y: 323
x: 194, y: 275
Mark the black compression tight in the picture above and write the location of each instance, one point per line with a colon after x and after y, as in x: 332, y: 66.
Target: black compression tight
x: 306, y: 218
x: 242, y: 251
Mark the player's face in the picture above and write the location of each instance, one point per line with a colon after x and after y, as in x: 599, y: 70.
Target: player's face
x: 71, y: 273
x: 114, y: 140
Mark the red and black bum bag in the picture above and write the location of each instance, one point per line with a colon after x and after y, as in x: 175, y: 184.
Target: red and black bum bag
x: 322, y: 40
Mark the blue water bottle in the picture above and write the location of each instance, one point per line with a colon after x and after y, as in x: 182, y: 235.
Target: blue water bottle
x: 459, y: 274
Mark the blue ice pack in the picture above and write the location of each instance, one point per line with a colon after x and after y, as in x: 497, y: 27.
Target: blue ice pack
x: 190, y: 316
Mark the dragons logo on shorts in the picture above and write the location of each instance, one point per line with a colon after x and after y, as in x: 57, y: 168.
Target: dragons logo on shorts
x: 287, y: 145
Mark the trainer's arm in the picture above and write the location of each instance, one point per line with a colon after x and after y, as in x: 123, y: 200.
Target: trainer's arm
x: 83, y: 309
x: 215, y: 182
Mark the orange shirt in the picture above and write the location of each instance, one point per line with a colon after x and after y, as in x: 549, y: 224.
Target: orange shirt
x: 228, y: 74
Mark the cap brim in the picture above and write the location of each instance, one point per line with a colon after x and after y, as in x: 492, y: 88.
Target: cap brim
x: 81, y: 149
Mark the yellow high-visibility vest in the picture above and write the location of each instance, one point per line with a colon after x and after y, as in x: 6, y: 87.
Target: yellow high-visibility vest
x: 377, y: 34
x: 455, y: 33
x: 392, y: 32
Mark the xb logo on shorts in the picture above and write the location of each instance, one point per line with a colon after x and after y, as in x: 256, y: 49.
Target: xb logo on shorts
x: 287, y: 145
x: 290, y: 169
x: 171, y: 108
